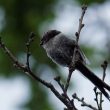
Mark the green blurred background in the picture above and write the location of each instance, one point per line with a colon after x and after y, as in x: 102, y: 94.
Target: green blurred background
x: 20, y: 17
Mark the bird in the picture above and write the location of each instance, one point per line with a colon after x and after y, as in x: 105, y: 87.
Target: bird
x: 60, y: 49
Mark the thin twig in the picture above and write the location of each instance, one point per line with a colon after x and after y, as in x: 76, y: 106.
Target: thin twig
x: 100, y: 101
x: 104, y: 66
x: 68, y: 80
x: 30, y: 39
x: 75, y: 58
x: 81, y: 25
x: 83, y: 102
x: 58, y: 80
x: 96, y: 97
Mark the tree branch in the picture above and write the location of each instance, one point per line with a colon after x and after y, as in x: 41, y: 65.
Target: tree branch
x: 30, y: 40
x: 75, y: 58
x: 26, y: 69
x: 104, y: 67
x: 83, y: 102
x: 99, y: 99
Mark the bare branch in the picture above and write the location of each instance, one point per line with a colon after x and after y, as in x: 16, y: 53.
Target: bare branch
x: 28, y: 71
x: 68, y: 79
x: 104, y: 67
x: 83, y: 102
x: 58, y: 80
x: 81, y: 25
x: 72, y: 66
x: 75, y: 58
x: 30, y: 39
x: 96, y: 97
x: 100, y: 101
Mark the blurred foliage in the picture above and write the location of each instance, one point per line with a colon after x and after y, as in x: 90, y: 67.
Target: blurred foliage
x: 39, y: 100
x: 20, y: 18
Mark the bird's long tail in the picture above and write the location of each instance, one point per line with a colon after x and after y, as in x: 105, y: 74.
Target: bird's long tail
x: 94, y: 79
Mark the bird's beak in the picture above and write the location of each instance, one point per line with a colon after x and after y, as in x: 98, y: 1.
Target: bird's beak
x: 41, y: 43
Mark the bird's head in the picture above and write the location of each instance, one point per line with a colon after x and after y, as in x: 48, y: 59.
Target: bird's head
x: 48, y: 35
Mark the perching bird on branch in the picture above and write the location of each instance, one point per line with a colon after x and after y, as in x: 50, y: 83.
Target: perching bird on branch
x: 61, y: 49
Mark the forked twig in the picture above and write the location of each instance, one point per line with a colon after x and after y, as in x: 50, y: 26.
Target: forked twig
x: 83, y: 102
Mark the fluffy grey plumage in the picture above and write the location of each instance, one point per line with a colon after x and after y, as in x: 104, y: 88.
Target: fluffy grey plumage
x: 60, y: 49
